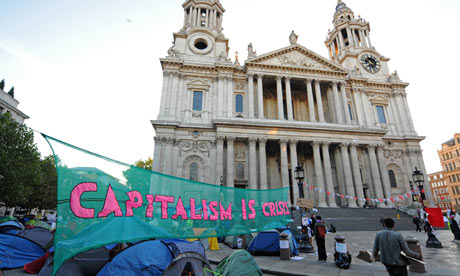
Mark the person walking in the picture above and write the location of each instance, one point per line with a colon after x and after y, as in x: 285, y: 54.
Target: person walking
x: 390, y: 244
x: 320, y: 237
x: 417, y: 223
x: 312, y: 224
x: 381, y: 221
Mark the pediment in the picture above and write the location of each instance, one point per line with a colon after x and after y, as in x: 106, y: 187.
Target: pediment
x: 198, y: 84
x: 379, y: 100
x: 297, y: 56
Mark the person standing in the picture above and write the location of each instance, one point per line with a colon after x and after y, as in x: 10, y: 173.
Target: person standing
x: 417, y: 223
x: 390, y: 244
x: 381, y: 221
x: 320, y: 237
x: 312, y: 223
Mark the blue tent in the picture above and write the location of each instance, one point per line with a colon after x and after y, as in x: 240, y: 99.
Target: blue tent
x: 142, y: 259
x: 11, y: 227
x: 16, y: 251
x: 268, y: 243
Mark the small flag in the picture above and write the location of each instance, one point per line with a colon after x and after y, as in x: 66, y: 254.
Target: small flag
x: 342, y: 196
x: 328, y: 193
x: 392, y: 199
x: 401, y: 197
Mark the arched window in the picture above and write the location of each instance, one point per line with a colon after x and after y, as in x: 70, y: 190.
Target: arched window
x: 240, y: 171
x: 194, y: 172
x: 391, y: 174
x: 239, y: 103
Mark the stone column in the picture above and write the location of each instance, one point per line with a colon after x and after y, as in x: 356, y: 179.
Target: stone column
x: 350, y: 38
x: 279, y: 94
x: 328, y: 174
x: 406, y: 108
x: 337, y: 103
x: 220, y: 97
x: 252, y: 163
x: 311, y: 103
x: 359, y: 107
x: 342, y: 44
x: 263, y: 163
x: 356, y: 172
x: 169, y: 93
x: 164, y: 94
x: 175, y: 157
x: 260, y: 96
x: 230, y: 97
x: 157, y: 154
x: 219, y: 158
x: 340, y: 176
x: 345, y: 103
x: 348, y: 175
x: 288, y: 98
x: 230, y: 161
x: 355, y: 39
x: 363, y: 38
x: 293, y: 150
x: 375, y: 174
x: 319, y: 174
x: 207, y: 18
x: 198, y: 17
x: 251, y: 95
x: 319, y: 101
x: 383, y: 171
x: 190, y: 16
x: 369, y: 39
x: 168, y: 155
x: 284, y: 164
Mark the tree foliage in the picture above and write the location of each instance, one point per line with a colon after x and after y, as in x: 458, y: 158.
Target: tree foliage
x: 145, y: 164
x: 26, y: 180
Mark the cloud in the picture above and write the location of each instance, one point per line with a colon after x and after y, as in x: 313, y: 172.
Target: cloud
x: 17, y: 49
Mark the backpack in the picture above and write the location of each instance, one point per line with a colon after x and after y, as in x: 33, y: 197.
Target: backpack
x: 321, y: 231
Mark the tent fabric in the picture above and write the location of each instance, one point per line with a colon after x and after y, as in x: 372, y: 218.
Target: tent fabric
x: 41, y: 236
x: 85, y: 263
x: 16, y: 251
x: 183, y: 246
x: 142, y: 259
x: 240, y: 263
x: 268, y: 243
x: 7, y: 218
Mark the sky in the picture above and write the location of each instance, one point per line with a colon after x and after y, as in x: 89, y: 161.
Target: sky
x: 88, y: 72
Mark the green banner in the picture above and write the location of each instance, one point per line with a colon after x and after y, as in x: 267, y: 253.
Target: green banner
x: 102, y: 201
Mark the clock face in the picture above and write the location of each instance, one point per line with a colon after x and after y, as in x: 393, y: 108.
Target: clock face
x: 370, y: 63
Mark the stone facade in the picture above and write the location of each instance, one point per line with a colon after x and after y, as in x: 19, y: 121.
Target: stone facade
x: 344, y: 119
x: 449, y: 156
x: 9, y: 104
x: 440, y: 190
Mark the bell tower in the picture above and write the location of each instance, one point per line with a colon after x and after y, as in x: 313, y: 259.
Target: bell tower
x: 201, y: 38
x: 350, y: 45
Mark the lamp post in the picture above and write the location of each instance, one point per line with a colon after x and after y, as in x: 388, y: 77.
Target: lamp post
x: 412, y: 191
x: 221, y: 180
x: 305, y: 245
x: 419, y: 179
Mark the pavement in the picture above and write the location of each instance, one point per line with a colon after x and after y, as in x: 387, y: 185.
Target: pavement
x: 440, y: 262
x: 443, y: 261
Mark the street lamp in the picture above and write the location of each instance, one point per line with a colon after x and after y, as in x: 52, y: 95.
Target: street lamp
x: 300, y: 176
x: 412, y: 191
x: 418, y: 178
x: 305, y: 245
x: 221, y: 180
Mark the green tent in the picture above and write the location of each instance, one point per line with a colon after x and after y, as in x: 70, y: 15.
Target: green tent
x: 240, y: 263
x: 7, y: 218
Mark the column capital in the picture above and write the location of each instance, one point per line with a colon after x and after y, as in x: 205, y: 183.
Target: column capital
x: 278, y: 78
x: 167, y: 140
x: 317, y: 81
x: 157, y: 140
x: 220, y: 139
x: 251, y: 75
x: 293, y: 142
x: 316, y: 143
x: 259, y: 75
x: 287, y: 78
x: 308, y: 81
x: 325, y: 144
x: 371, y: 147
x: 344, y: 145
x: 230, y: 140
x: 354, y: 145
x: 344, y: 83
x: 283, y: 142
x: 252, y: 141
x: 262, y: 141
x: 380, y: 146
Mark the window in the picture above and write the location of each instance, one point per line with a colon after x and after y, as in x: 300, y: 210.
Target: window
x: 381, y: 114
x: 240, y: 171
x: 239, y: 103
x: 194, y: 172
x: 197, y: 100
x: 450, y: 166
x: 349, y: 111
x: 455, y: 166
x: 391, y: 174
x: 447, y: 168
x: 453, y: 190
x: 450, y: 179
x: 457, y: 190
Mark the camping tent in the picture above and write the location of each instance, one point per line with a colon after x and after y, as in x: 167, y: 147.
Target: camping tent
x: 240, y: 263
x: 16, y: 251
x: 268, y: 243
x: 12, y: 227
x: 142, y: 259
x: 179, y: 246
x: 39, y: 235
x: 86, y: 263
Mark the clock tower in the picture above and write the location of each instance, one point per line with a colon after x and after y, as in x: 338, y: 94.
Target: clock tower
x: 350, y: 45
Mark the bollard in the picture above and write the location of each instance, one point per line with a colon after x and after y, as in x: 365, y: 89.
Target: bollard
x: 285, y: 253
x: 342, y: 257
x: 413, y: 245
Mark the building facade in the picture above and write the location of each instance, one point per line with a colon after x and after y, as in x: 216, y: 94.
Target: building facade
x: 9, y: 104
x: 440, y: 191
x: 449, y: 156
x: 345, y: 119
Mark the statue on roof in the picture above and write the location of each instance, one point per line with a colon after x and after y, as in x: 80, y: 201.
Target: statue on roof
x: 2, y: 84
x: 251, y: 52
x: 11, y: 92
x: 293, y: 38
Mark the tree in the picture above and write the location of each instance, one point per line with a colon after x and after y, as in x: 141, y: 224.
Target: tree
x: 44, y: 196
x: 19, y: 162
x: 147, y: 164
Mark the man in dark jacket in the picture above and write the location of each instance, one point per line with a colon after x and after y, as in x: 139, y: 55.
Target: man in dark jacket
x: 320, y: 237
x: 390, y: 244
x: 417, y: 222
